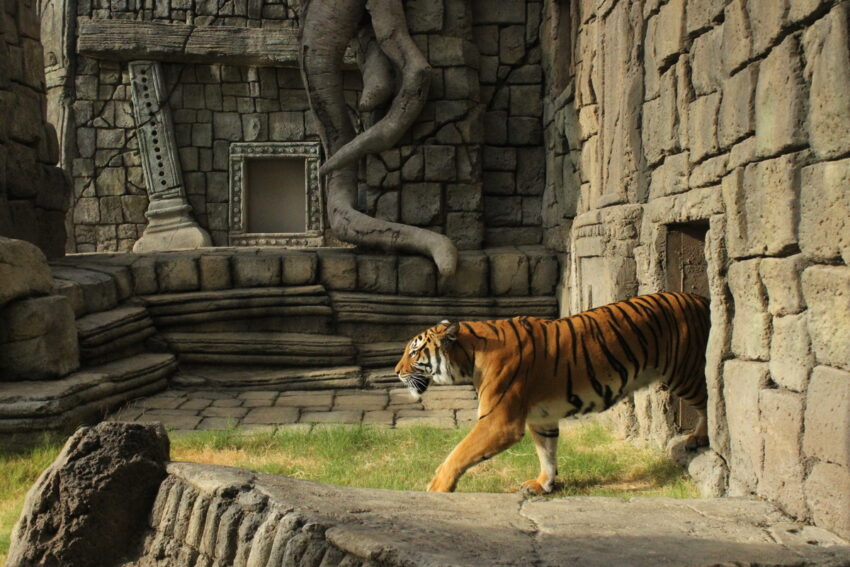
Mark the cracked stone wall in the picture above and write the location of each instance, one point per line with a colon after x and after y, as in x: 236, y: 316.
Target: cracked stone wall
x: 472, y: 166
x: 730, y: 114
x: 33, y: 190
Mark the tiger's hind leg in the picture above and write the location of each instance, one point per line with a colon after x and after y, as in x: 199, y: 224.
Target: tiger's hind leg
x: 546, y: 443
x: 699, y: 436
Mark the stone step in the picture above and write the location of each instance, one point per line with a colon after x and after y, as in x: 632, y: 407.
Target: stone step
x: 83, y: 396
x: 114, y: 334
x: 205, y: 308
x: 266, y: 378
x: 380, y: 354
x: 265, y: 348
x: 376, y: 308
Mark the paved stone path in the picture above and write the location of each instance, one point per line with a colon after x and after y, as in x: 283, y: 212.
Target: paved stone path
x: 184, y: 410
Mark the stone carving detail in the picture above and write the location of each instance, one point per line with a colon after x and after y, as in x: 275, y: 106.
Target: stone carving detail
x: 171, y: 224
x: 239, y: 153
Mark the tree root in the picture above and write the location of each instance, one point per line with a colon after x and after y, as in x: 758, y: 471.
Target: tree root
x: 327, y: 28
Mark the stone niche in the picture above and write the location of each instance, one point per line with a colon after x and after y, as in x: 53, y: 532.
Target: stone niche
x: 275, y: 194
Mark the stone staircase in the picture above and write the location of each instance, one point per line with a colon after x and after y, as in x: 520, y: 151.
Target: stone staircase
x: 269, y: 319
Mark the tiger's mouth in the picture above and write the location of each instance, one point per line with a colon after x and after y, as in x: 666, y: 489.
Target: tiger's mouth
x: 416, y: 383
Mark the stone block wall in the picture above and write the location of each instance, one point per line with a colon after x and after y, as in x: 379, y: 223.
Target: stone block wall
x: 33, y: 190
x: 513, y: 160
x: 211, y: 106
x: 471, y: 167
x: 725, y: 114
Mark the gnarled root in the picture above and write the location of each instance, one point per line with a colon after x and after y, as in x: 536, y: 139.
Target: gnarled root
x: 328, y: 27
x: 391, y: 33
x: 377, y: 71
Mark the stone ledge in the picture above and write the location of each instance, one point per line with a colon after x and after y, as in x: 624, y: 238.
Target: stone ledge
x: 82, y: 396
x: 220, y: 514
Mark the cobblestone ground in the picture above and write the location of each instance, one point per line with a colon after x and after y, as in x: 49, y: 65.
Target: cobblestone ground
x: 185, y: 410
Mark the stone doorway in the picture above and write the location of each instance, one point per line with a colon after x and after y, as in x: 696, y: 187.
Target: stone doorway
x: 687, y: 271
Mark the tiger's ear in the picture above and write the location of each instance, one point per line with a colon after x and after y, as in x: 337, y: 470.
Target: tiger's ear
x: 451, y: 331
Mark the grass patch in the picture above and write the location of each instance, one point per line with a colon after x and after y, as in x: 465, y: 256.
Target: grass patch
x: 590, y: 462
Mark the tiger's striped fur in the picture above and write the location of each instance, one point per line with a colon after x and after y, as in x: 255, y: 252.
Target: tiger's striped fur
x: 533, y: 372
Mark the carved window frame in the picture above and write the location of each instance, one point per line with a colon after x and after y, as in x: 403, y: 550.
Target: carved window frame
x: 240, y: 152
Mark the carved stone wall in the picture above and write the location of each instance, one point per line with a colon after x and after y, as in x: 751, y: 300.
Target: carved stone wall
x: 471, y: 167
x: 729, y: 114
x: 33, y: 190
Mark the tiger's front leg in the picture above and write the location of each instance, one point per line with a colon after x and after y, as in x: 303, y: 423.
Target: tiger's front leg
x: 546, y: 443
x: 492, y: 434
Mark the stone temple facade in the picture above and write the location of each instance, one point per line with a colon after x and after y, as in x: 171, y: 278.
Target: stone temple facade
x: 576, y: 151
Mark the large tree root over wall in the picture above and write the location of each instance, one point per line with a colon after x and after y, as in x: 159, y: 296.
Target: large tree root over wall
x: 327, y: 28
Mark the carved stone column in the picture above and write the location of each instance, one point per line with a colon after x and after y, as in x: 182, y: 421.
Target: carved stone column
x: 171, y: 226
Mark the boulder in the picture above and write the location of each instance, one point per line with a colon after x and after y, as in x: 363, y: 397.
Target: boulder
x: 91, y: 506
x: 23, y: 270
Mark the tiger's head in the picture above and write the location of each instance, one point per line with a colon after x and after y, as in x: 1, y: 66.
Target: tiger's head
x: 426, y: 358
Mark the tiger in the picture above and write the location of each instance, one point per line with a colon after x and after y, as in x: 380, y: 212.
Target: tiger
x: 533, y: 372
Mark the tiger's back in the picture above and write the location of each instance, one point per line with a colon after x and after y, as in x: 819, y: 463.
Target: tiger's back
x: 589, y: 361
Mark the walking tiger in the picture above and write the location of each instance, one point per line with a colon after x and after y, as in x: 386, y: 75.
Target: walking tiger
x: 529, y: 371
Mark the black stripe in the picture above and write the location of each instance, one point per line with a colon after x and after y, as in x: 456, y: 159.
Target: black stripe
x: 613, y: 360
x: 516, y: 369
x: 574, y: 400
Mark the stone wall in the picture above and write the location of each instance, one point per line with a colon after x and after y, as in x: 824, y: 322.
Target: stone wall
x: 211, y: 106
x: 732, y: 114
x: 33, y: 191
x: 472, y: 166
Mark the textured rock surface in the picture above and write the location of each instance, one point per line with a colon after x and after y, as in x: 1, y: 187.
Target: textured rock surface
x: 223, y: 515
x: 89, y: 507
x: 23, y: 270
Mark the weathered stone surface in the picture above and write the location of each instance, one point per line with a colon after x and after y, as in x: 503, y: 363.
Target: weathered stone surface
x: 300, y: 269
x: 827, y: 293
x: 828, y: 496
x: 824, y: 202
x: 781, y: 277
x: 177, y: 273
x: 23, y: 270
x: 781, y: 419
x: 710, y: 472
x: 702, y: 126
x: 737, y: 39
x: 827, y: 46
x: 337, y: 270
x: 791, y: 357
x: 827, y: 433
x: 471, y: 278
x: 417, y: 275
x: 671, y: 20
x: 420, y: 203
x: 765, y: 23
x: 376, y: 273
x: 751, y: 324
x: 737, y: 107
x: 38, y: 339
x: 91, y: 505
x: 508, y: 272
x: 543, y: 269
x: 214, y: 271
x: 780, y: 105
x: 763, y: 207
x: 743, y: 381
x: 256, y: 271
x: 706, y: 74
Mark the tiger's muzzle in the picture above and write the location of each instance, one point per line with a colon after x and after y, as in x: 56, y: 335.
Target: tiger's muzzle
x: 416, y: 383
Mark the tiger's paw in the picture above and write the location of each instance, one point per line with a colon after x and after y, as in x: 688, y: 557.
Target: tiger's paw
x: 695, y: 441
x: 534, y: 488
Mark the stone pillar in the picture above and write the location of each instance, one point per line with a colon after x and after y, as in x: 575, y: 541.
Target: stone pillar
x: 171, y: 225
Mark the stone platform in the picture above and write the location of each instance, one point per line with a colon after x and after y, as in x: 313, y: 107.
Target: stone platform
x: 215, y: 515
x: 187, y: 410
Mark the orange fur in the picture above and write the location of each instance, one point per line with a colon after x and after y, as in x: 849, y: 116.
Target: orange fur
x: 533, y: 372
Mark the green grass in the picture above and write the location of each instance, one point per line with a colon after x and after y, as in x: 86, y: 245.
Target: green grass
x: 19, y: 469
x: 590, y: 462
